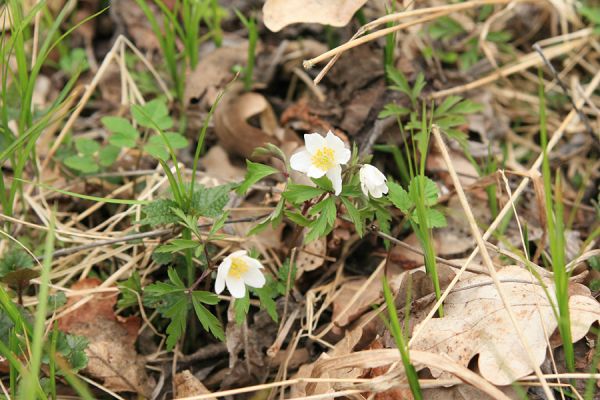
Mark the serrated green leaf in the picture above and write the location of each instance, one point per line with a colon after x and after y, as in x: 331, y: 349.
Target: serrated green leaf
x: 177, y: 314
x: 435, y: 219
x: 210, y: 202
x: 157, y: 147
x: 430, y: 190
x: 84, y: 164
x: 128, y: 290
x: 297, y: 218
x: 177, y: 245
x: 400, y: 197
x: 355, y: 216
x: 206, y: 297
x: 393, y: 110
x: 209, y: 322
x: 324, y: 183
x: 300, y: 193
x: 267, y: 295
x: 323, y: 224
x: 159, y: 213
x: 255, y: 172
x: 86, y: 147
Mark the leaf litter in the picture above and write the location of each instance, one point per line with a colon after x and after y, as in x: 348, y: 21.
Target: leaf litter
x: 329, y: 327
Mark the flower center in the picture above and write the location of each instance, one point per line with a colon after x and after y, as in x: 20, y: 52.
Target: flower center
x: 323, y: 158
x: 238, y: 268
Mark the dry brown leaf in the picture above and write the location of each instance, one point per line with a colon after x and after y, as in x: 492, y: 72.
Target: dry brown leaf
x: 111, y: 350
x: 311, y: 256
x: 476, y: 323
x: 280, y: 13
x: 465, y: 392
x: 187, y: 385
x: 212, y: 72
x: 217, y: 165
x: 235, y: 134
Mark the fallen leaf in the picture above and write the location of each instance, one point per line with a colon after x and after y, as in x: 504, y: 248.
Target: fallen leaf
x: 235, y: 134
x: 311, y: 256
x: 216, y: 164
x: 212, y: 72
x: 280, y: 13
x: 187, y: 385
x: 111, y: 350
x: 476, y: 323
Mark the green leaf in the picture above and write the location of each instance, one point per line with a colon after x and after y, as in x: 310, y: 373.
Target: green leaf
x: 159, y: 213
x: 393, y: 110
x: 177, y: 245
x: 86, y: 147
x: 210, y: 202
x: 206, y: 297
x: 255, y: 172
x: 108, y: 155
x: 72, y: 348
x: 399, y: 80
x: 241, y: 308
x: 430, y: 190
x: 355, y: 216
x: 267, y: 295
x: 152, y: 114
x: 300, y: 193
x: 324, y: 183
x: 157, y: 147
x: 124, y: 134
x: 209, y: 322
x: 435, y: 219
x: 84, y: 164
x: 177, y: 313
x: 400, y: 197
x: 418, y: 85
x: 323, y: 224
x: 297, y: 218
x: 128, y: 290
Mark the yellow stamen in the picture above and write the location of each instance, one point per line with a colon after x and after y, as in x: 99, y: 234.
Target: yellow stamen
x: 323, y: 158
x: 238, y: 267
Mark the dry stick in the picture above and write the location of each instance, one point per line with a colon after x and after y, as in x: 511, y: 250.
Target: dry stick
x: 507, y: 207
x: 82, y: 102
x: 486, y: 257
x: 527, y: 61
x: 144, y: 235
x: 564, y: 89
x: 429, y: 12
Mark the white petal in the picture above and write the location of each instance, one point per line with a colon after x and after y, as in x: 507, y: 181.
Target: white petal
x: 300, y: 161
x: 254, y: 277
x: 253, y: 262
x: 363, y: 186
x: 314, y: 172
x: 384, y: 188
x: 236, y: 287
x: 313, y: 142
x: 341, y: 153
x: 222, y: 272
x: 376, y: 192
x: 239, y: 253
x: 335, y: 176
x: 373, y: 174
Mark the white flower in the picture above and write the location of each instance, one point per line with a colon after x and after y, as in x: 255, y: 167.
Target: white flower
x: 238, y: 270
x: 322, y: 156
x: 372, y: 181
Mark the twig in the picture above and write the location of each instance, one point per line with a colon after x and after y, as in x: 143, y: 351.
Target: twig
x: 144, y: 235
x: 563, y: 87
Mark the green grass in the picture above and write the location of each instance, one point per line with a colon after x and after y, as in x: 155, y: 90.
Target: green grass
x: 556, y: 235
x: 396, y: 330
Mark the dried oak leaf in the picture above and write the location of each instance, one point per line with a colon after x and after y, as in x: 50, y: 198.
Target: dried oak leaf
x: 111, y: 350
x: 187, y: 385
x: 236, y: 134
x: 280, y: 13
x: 476, y: 323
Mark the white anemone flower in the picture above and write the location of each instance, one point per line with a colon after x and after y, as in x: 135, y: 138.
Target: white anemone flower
x: 238, y: 270
x: 322, y: 156
x: 372, y: 181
